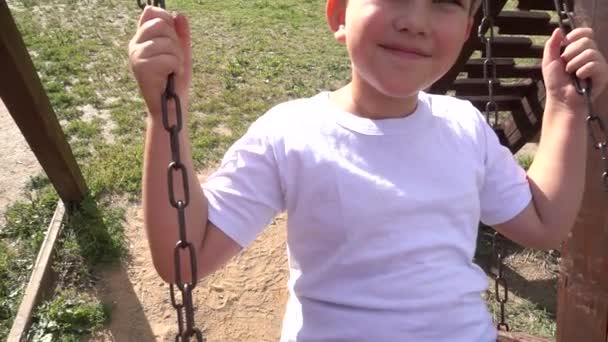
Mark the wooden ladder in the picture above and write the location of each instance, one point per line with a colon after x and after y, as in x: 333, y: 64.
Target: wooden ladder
x: 520, y: 88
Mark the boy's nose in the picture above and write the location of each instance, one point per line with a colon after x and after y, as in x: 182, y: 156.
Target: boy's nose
x: 413, y: 16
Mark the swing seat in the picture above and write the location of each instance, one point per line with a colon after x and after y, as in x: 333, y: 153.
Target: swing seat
x: 504, y: 336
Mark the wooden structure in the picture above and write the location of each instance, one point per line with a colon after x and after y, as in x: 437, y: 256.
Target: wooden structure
x: 27, y: 102
x: 583, y: 293
x: 520, y: 90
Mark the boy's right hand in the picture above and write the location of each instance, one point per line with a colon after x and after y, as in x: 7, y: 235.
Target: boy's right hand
x: 161, y: 46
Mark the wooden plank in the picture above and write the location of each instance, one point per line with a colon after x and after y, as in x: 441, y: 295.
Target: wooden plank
x: 516, y: 47
x: 24, y: 96
x: 519, y: 337
x: 40, y: 282
x: 474, y: 86
x: 546, y: 5
x: 583, y: 289
x: 505, y: 68
x: 505, y: 102
x: 525, y: 22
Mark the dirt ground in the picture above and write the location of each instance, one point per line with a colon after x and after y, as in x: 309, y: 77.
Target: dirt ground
x: 18, y: 162
x: 242, y: 302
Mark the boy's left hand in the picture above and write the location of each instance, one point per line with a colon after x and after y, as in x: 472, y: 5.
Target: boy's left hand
x: 582, y: 58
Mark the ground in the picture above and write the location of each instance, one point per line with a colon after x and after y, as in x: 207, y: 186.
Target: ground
x: 19, y: 162
x: 242, y: 302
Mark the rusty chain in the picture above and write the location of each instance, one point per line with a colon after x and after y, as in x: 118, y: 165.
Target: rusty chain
x: 489, y: 72
x: 185, y: 308
x: 485, y: 32
x: 595, y: 124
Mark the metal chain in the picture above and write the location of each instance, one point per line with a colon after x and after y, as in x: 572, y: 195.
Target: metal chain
x: 185, y: 308
x: 595, y: 124
x: 486, y: 34
x: 498, y: 247
x: 490, y: 74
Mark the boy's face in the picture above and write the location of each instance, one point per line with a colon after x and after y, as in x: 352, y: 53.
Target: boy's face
x: 400, y: 47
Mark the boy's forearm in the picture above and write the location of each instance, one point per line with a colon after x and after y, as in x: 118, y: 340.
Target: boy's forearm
x: 557, y: 175
x: 160, y: 218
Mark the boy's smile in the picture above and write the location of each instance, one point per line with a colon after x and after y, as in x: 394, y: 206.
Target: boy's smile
x: 405, y: 52
x: 396, y: 48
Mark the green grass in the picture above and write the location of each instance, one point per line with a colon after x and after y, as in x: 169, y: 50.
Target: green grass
x: 248, y: 56
x: 66, y: 317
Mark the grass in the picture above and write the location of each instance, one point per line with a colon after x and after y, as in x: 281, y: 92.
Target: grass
x: 68, y: 316
x: 249, y: 55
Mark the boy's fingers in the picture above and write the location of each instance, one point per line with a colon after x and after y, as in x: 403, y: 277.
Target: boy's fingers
x: 579, y: 33
x: 151, y: 12
x: 182, y: 28
x: 552, y: 47
x: 580, y: 60
x: 155, y: 28
x: 577, y: 47
x: 159, y: 46
x: 588, y: 70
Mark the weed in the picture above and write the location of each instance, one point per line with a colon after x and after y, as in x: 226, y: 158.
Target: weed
x: 525, y: 160
x: 67, y: 317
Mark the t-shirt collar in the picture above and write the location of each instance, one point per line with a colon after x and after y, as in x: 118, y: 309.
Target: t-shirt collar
x: 374, y: 126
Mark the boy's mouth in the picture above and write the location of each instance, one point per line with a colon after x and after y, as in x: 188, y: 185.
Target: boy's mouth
x: 405, y: 51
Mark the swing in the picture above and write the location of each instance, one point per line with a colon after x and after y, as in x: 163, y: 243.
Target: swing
x: 185, y: 309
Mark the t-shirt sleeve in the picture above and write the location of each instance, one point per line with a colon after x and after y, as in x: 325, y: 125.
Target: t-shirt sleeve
x: 244, y: 194
x: 505, y: 191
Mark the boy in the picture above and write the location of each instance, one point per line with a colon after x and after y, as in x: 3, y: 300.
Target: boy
x: 384, y: 185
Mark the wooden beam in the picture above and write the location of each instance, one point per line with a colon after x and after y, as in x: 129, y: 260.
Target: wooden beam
x: 583, y: 289
x: 39, y: 286
x: 27, y: 102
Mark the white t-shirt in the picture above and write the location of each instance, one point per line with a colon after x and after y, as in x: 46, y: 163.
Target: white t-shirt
x: 382, y: 216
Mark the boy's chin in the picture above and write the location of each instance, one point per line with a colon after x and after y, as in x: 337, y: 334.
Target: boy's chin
x: 401, y: 91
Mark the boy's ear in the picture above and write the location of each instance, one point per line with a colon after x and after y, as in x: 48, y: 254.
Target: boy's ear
x: 336, y: 17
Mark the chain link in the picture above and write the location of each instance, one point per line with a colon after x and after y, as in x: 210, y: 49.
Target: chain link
x: 595, y: 124
x: 485, y: 33
x: 185, y: 307
x: 500, y: 281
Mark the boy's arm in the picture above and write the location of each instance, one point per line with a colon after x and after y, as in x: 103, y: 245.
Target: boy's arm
x: 557, y: 175
x: 213, y: 247
x: 162, y: 45
x: 556, y: 179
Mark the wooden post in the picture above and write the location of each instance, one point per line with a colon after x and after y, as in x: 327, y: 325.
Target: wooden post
x: 28, y: 104
x: 583, y: 290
